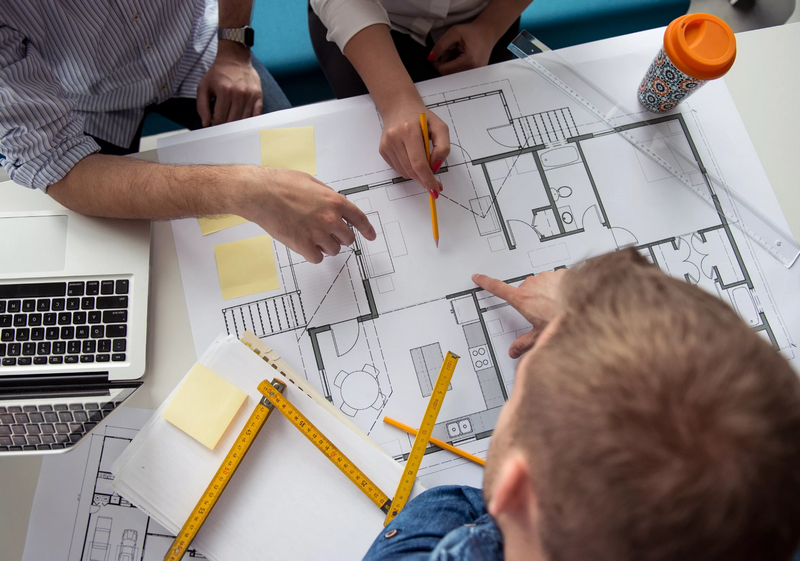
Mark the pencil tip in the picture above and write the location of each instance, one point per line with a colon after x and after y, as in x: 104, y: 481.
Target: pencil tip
x: 437, y: 241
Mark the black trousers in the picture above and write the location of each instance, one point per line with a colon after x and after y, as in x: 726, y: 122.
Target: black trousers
x: 346, y: 82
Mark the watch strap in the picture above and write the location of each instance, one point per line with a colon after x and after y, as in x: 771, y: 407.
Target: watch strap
x: 243, y: 35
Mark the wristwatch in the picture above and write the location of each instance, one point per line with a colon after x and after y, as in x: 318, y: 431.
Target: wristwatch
x: 244, y: 35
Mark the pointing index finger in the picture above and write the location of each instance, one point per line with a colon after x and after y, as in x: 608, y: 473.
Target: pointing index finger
x: 357, y: 218
x: 496, y: 287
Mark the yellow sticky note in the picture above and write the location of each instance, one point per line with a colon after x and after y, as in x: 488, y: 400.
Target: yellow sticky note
x: 211, y: 224
x: 289, y: 149
x: 246, y: 267
x: 204, y: 405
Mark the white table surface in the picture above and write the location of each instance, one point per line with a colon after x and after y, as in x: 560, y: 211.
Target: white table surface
x: 763, y: 84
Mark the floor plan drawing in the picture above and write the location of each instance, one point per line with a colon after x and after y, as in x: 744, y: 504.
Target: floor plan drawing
x: 104, y: 526
x: 527, y: 188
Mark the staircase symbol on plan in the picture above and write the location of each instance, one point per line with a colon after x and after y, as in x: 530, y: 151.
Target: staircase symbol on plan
x: 267, y: 317
x: 548, y: 128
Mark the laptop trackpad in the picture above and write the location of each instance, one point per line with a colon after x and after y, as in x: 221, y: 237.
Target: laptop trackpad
x: 32, y: 244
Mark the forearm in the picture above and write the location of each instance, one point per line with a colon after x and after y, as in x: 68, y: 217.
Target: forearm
x: 117, y: 187
x: 372, y: 53
x: 293, y: 207
x: 234, y: 13
x: 500, y: 14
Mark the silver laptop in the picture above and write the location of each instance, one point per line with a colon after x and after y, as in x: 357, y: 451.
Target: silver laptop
x: 73, y: 319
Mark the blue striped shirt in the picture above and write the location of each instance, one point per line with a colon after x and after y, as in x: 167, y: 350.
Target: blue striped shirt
x: 69, y: 68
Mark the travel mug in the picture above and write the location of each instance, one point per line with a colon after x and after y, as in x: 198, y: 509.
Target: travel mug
x: 697, y: 48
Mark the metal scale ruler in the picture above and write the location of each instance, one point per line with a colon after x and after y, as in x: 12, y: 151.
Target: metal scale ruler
x: 749, y: 220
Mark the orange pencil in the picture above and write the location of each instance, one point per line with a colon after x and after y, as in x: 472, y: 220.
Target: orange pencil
x: 436, y: 442
x: 434, y: 218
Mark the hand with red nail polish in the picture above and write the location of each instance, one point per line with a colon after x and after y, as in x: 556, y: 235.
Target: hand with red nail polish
x: 402, y: 144
x: 374, y: 56
x: 434, y: 193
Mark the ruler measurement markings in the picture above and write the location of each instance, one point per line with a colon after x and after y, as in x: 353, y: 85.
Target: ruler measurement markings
x: 328, y: 449
x: 274, y: 400
x: 423, y: 436
x: 787, y: 261
x: 221, y: 478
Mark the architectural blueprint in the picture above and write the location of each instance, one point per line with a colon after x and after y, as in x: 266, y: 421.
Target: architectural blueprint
x: 533, y: 183
x: 77, y: 516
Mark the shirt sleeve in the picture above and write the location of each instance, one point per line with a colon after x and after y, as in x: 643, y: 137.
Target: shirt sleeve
x: 41, y: 135
x: 345, y: 18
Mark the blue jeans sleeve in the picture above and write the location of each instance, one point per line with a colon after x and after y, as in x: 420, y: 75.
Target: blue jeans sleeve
x: 424, y: 521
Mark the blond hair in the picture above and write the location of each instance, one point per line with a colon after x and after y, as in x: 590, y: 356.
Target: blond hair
x: 659, y: 426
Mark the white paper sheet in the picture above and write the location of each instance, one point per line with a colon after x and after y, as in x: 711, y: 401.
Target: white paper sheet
x: 77, y: 516
x: 285, y: 489
x: 521, y: 196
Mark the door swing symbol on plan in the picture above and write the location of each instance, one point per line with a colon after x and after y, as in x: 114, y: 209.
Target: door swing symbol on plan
x: 532, y: 183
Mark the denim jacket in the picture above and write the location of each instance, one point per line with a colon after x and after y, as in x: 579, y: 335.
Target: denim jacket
x: 442, y: 524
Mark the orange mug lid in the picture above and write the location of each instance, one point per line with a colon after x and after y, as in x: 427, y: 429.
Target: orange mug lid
x: 700, y: 45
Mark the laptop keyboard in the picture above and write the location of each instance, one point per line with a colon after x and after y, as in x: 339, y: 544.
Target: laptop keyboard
x: 63, y: 322
x: 48, y: 427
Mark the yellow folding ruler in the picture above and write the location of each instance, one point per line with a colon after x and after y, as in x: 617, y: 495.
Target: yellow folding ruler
x: 214, y: 490
x: 356, y: 476
x: 324, y: 445
x: 274, y: 400
x: 423, y: 436
x: 282, y: 368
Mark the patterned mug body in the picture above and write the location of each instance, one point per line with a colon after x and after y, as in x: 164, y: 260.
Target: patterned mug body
x: 664, y: 86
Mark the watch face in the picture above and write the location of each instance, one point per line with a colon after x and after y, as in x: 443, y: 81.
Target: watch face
x: 249, y: 36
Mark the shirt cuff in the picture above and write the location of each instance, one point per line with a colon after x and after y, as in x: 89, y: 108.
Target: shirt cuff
x: 51, y: 166
x: 344, y: 22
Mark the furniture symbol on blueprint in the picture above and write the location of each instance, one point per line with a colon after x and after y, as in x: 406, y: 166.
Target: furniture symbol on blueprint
x: 459, y: 427
x: 126, y: 550
x: 427, y: 362
x: 102, y: 535
x: 360, y: 390
x: 377, y: 255
x: 480, y: 357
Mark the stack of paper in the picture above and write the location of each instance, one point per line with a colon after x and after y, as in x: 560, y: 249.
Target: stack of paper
x: 285, y: 501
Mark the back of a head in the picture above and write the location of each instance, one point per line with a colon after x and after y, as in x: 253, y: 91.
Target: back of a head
x: 659, y: 426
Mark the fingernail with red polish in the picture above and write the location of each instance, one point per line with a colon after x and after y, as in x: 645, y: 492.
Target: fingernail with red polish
x: 431, y: 56
x: 434, y: 193
x: 436, y: 165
